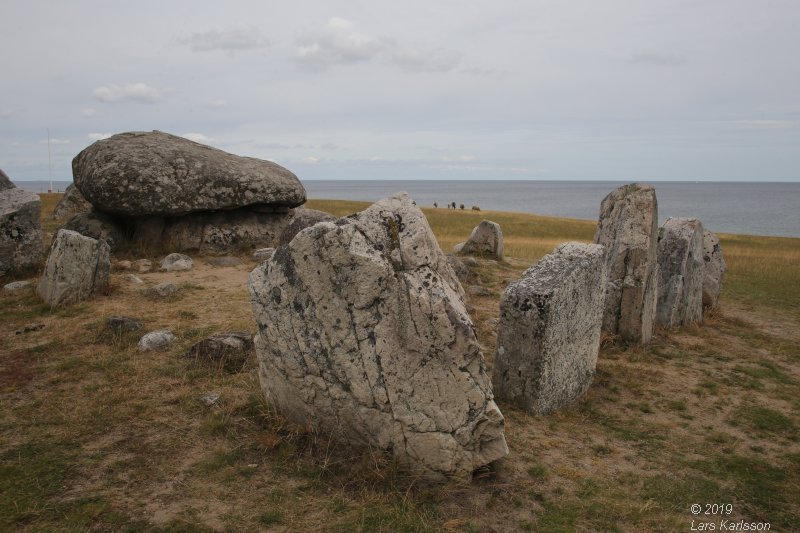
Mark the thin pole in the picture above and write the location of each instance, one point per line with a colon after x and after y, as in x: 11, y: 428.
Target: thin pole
x: 49, y: 161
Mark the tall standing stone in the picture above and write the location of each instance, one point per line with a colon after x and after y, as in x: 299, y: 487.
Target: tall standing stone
x: 20, y: 230
x: 681, y: 271
x: 77, y: 268
x: 714, y: 269
x: 364, y: 334
x: 628, y: 228
x: 486, y: 240
x: 549, y: 333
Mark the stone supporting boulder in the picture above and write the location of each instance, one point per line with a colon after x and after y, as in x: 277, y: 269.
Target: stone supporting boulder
x: 486, y: 240
x: 71, y: 204
x: 628, y: 228
x: 549, y: 332
x: 364, y: 334
x: 100, y: 226
x: 77, y: 268
x: 301, y: 219
x: 681, y: 271
x: 155, y: 173
x: 20, y: 230
x: 714, y: 269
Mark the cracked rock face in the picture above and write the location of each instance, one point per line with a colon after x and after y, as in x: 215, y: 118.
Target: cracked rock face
x: 681, y: 271
x: 20, y: 230
x: 628, y: 228
x: 714, y: 269
x: 150, y: 173
x: 364, y: 334
x: 549, y: 333
x: 77, y: 268
x: 486, y: 240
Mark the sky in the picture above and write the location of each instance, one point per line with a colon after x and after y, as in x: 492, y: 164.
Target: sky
x: 540, y: 90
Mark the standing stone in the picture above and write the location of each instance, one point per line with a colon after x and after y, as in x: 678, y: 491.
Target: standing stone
x: 70, y: 204
x: 486, y: 240
x: 628, y: 228
x: 681, y: 271
x: 301, y: 219
x: 364, y: 334
x: 77, y: 268
x: 155, y: 173
x: 549, y: 332
x: 5, y: 181
x: 20, y: 230
x: 714, y: 269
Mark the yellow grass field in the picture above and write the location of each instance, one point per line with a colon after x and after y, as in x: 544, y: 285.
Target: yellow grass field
x: 99, y: 437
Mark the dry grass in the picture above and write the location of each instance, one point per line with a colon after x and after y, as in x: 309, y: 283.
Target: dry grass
x: 97, y: 436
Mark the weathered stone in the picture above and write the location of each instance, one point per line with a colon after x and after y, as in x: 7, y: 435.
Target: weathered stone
x: 70, y: 205
x: 133, y: 278
x: 681, y: 272
x: 477, y: 290
x: 156, y: 340
x: 176, y: 262
x: 122, y: 265
x: 160, y: 291
x: 486, y: 240
x: 100, y: 226
x: 15, y: 286
x: 20, y: 230
x: 155, y: 173
x: 364, y: 334
x: 228, y: 351
x: 470, y: 262
x: 77, y: 268
x: 142, y: 266
x: 123, y: 324
x: 210, y: 399
x: 628, y: 228
x: 462, y: 272
x: 263, y: 254
x: 549, y: 332
x: 36, y: 326
x: 5, y: 181
x: 714, y: 270
x: 225, y: 261
x: 301, y: 219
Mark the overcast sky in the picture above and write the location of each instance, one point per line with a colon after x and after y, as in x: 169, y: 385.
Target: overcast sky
x: 534, y: 89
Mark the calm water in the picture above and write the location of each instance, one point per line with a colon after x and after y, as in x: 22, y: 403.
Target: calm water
x: 749, y: 208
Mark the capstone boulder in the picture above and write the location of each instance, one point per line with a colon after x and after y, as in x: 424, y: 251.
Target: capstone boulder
x: 364, y: 335
x: 549, y: 333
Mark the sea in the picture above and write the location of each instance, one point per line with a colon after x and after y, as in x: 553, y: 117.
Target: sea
x: 751, y: 208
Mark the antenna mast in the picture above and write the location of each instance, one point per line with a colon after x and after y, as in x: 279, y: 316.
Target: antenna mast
x: 49, y: 161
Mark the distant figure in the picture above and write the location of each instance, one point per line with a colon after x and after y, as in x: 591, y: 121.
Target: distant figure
x: 454, y: 205
x: 435, y: 205
x: 462, y: 207
x: 476, y: 208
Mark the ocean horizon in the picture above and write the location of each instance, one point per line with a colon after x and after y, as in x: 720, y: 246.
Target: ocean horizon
x: 750, y: 208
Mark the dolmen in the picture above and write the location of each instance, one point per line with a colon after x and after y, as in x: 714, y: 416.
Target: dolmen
x: 715, y: 267
x: 681, y: 272
x: 76, y: 269
x: 486, y: 240
x: 20, y: 228
x: 628, y: 228
x: 549, y: 331
x: 363, y: 334
x: 166, y: 191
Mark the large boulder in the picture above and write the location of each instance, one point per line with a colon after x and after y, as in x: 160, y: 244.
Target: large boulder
x: 5, y: 181
x: 77, y: 268
x: 364, y: 335
x: 681, y: 271
x: 549, y: 333
x: 100, y: 226
x: 70, y: 204
x: 628, y: 228
x: 486, y: 240
x: 155, y: 173
x: 714, y: 269
x: 301, y: 219
x: 20, y: 230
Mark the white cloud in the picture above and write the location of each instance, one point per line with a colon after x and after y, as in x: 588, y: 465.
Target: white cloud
x: 230, y: 40
x: 311, y: 160
x: 426, y: 60
x: 766, y: 124
x: 54, y: 141
x: 136, y: 92
x: 88, y: 112
x: 98, y: 136
x: 197, y: 137
x: 463, y: 158
x: 659, y: 59
x: 338, y: 43
x: 218, y: 104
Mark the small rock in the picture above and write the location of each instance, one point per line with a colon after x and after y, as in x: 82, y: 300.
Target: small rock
x: 142, y: 266
x: 133, y: 278
x: 30, y: 327
x: 156, y: 340
x: 225, y: 261
x: 485, y: 240
x: 122, y: 324
x: 176, y: 262
x: 458, y: 266
x: 263, y: 254
x: 230, y: 350
x: 210, y: 399
x: 162, y: 290
x: 121, y: 265
x: 16, y: 286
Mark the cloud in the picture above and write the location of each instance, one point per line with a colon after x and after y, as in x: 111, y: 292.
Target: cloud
x: 230, y: 40
x: 6, y: 113
x: 136, y: 92
x: 766, y: 124
x: 88, y: 112
x: 217, y: 104
x: 311, y: 160
x: 98, y: 136
x: 658, y: 59
x: 338, y: 43
x: 198, y: 138
x: 426, y: 60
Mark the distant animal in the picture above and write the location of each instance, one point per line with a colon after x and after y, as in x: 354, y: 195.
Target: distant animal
x: 476, y: 208
x: 462, y: 207
x: 453, y: 204
x: 435, y: 204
